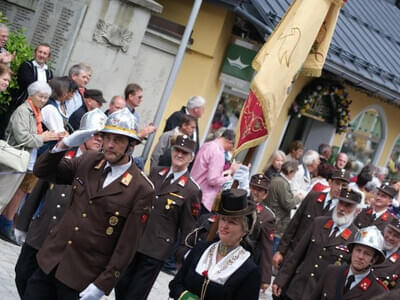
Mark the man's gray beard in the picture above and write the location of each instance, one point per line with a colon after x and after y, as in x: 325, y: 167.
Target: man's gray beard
x: 347, y: 219
x: 389, y: 247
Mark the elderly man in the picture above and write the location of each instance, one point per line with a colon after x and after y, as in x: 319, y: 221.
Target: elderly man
x: 296, y: 150
x: 116, y: 103
x: 208, y: 168
x: 176, y: 208
x: 315, y: 204
x: 80, y: 74
x: 5, y: 56
x: 323, y: 244
x: 356, y: 281
x: 378, y: 214
x: 388, y: 271
x: 341, y: 160
x: 301, y: 182
x: 195, y: 108
x: 85, y: 253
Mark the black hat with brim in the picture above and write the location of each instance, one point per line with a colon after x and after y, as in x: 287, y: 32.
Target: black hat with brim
x: 234, y: 203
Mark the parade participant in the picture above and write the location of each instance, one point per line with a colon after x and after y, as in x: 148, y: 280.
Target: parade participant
x: 389, y: 271
x: 314, y: 204
x: 85, y: 253
x: 356, y: 281
x: 46, y: 205
x: 378, y: 214
x: 176, y: 207
x: 224, y: 269
x: 341, y: 160
x: 262, y: 237
x: 323, y: 244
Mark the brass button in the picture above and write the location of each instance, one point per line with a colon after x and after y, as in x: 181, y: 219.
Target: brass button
x: 168, y: 240
x: 63, y: 195
x: 109, y: 230
x: 341, y: 256
x: 69, y: 242
x: 84, y: 215
x: 308, y: 216
x: 320, y: 257
x: 117, y: 213
x: 54, y: 217
x: 323, y: 249
x: 117, y: 274
x: 76, y: 228
x: 90, y: 202
x: 316, y: 266
x: 58, y: 205
x: 74, y: 187
x: 313, y: 241
x: 312, y: 274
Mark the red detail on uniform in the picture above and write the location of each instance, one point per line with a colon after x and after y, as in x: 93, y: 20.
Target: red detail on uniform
x: 382, y: 284
x: 321, y: 198
x: 369, y: 211
x: 195, y: 209
x: 259, y: 208
x: 143, y: 218
x: 346, y: 233
x: 328, y: 224
x: 271, y: 236
x: 70, y: 154
x: 163, y: 172
x: 205, y: 273
x: 319, y: 187
x: 394, y: 257
x: 385, y: 216
x: 365, y: 283
x: 182, y: 181
x: 395, y: 276
x: 213, y: 218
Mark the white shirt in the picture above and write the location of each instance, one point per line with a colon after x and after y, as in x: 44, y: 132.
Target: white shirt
x: 378, y: 214
x: 116, y: 172
x: 333, y: 203
x: 41, y: 71
x: 341, y: 228
x: 74, y: 103
x: 357, y: 278
x: 177, y: 175
x: 52, y: 117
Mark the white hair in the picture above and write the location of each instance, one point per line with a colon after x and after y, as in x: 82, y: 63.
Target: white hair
x: 4, y: 27
x: 195, y: 101
x: 39, y: 87
x: 310, y: 156
x: 382, y: 171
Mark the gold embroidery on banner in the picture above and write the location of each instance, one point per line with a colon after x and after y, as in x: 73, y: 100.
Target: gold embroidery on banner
x: 290, y: 39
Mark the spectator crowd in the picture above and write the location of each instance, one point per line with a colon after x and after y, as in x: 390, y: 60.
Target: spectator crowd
x: 89, y: 220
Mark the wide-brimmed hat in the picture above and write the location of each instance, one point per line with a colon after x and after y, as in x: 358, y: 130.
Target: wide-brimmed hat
x: 350, y: 196
x: 341, y: 174
x: 372, y: 237
x: 122, y: 122
x: 260, y: 180
x: 388, y: 190
x: 234, y: 202
x: 395, y: 224
x: 93, y: 120
x: 185, y: 143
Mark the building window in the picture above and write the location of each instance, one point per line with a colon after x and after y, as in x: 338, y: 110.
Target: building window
x: 363, y: 139
x: 393, y: 164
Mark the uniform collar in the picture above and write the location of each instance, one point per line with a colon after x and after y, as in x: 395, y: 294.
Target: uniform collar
x: 176, y: 174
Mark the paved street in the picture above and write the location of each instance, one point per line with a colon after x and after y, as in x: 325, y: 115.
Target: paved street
x: 8, y: 257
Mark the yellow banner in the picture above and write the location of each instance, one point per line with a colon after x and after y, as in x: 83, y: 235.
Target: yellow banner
x: 280, y: 60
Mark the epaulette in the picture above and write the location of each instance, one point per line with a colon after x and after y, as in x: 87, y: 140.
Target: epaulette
x: 194, y: 181
x: 385, y: 216
x: 365, y: 283
x: 147, y: 179
x: 270, y: 210
x: 382, y: 284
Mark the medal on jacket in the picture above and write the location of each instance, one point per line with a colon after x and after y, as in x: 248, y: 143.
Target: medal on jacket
x: 169, y: 203
x: 109, y: 230
x: 113, y: 220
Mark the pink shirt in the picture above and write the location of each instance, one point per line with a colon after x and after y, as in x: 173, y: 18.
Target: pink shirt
x: 207, y: 171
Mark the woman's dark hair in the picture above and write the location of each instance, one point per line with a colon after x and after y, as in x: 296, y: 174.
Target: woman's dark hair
x: 325, y: 170
x: 62, y: 85
x: 363, y: 178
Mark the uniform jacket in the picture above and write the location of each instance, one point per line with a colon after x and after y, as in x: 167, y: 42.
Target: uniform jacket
x: 242, y: 284
x: 310, y: 208
x: 176, y: 206
x: 364, y: 219
x: 281, y: 201
x: 262, y: 239
x: 331, y: 286
x: 301, y: 271
x: 100, y: 231
x: 389, y: 271
x: 43, y: 209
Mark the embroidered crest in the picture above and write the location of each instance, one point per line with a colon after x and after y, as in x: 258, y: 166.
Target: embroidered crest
x: 100, y: 164
x: 321, y: 198
x: 182, y: 181
x: 394, y: 257
x: 259, y: 208
x: 126, y: 179
x: 385, y: 216
x: 365, y: 283
x: 346, y: 234
x: 342, y: 247
x: 369, y: 211
x: 195, y: 209
x: 163, y: 172
x: 70, y: 154
x: 328, y: 224
x: 143, y: 218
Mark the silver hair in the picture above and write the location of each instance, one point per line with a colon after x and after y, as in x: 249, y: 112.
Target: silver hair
x: 274, y: 156
x: 4, y: 27
x: 39, y: 87
x: 310, y: 156
x: 382, y: 171
x: 195, y: 101
x: 76, y: 69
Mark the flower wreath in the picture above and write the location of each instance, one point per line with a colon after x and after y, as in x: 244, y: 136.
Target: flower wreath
x: 331, y: 92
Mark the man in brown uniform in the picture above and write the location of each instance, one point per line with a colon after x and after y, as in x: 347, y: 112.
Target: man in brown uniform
x: 377, y: 214
x: 314, y: 204
x: 98, y: 236
x: 324, y: 243
x: 389, y: 271
x: 262, y: 237
x: 176, y: 207
x: 356, y: 281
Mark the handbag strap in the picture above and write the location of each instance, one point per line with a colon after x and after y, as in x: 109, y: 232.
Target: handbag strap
x: 16, y: 146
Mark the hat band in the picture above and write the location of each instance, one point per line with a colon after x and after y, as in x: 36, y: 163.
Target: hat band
x: 120, y: 128
x: 235, y: 211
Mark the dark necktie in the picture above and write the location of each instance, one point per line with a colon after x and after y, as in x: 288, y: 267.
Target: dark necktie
x: 328, y: 205
x: 168, y: 179
x: 384, y: 253
x: 103, y: 177
x: 350, y: 280
x: 334, y: 232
